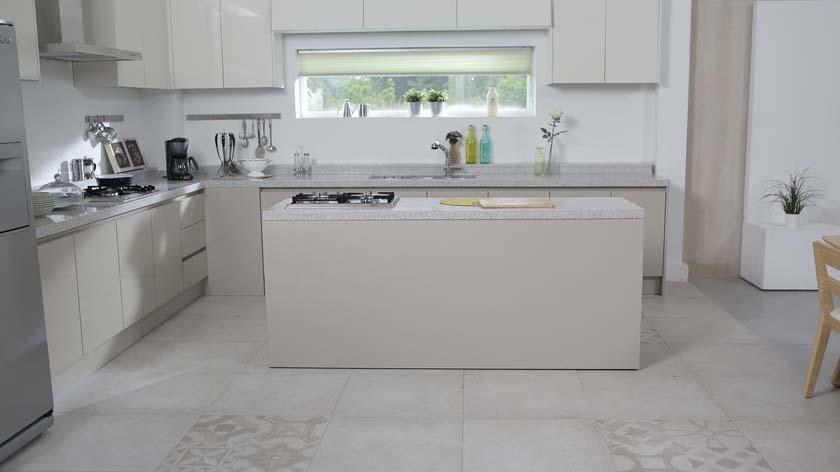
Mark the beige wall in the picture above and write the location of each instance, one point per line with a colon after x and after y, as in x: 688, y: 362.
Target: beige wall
x: 721, y: 44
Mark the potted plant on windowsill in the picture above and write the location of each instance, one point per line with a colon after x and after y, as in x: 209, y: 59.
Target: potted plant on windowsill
x: 414, y: 98
x: 794, y: 195
x: 437, y: 99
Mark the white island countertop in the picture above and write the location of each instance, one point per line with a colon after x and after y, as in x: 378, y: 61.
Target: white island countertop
x: 580, y: 208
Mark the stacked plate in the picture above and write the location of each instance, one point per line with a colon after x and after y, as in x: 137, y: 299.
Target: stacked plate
x: 43, y: 203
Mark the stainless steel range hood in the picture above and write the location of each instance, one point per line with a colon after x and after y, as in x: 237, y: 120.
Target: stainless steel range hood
x: 61, y: 34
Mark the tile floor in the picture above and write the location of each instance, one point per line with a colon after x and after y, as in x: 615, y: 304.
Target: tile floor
x: 719, y: 391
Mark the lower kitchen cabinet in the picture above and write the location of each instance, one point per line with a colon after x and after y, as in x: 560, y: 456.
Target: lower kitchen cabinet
x: 57, y: 260
x: 653, y: 202
x: 518, y: 193
x: 457, y: 193
x: 579, y: 192
x: 98, y: 274
x: 234, y: 241
x: 166, y: 241
x: 195, y: 269
x: 137, y: 268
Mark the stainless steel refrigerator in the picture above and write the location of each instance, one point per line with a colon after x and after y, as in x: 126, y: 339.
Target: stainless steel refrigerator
x: 26, y: 401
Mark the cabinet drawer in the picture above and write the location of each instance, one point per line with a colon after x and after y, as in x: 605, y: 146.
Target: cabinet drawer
x: 193, y: 239
x: 192, y: 210
x: 195, y: 269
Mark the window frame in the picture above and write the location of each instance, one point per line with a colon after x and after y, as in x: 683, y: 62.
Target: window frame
x: 462, y: 111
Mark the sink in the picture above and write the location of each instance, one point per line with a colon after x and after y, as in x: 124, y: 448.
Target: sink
x: 422, y: 177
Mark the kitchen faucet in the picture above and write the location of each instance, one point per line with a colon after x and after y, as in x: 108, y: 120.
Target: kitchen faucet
x: 449, y: 168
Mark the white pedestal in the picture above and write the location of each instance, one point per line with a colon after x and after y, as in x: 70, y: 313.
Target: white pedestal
x: 774, y: 257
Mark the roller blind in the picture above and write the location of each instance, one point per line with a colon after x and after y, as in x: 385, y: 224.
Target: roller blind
x: 496, y: 61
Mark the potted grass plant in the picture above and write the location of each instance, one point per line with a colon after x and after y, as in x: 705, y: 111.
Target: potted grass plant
x: 415, y: 99
x: 794, y: 195
x: 437, y: 99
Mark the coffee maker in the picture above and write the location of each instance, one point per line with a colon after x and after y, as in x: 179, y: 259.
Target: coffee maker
x: 178, y: 160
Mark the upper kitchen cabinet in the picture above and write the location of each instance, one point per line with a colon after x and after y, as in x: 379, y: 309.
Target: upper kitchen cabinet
x: 157, y: 45
x: 115, y: 25
x: 197, y: 44
x: 410, y: 15
x: 313, y: 16
x: 22, y: 14
x: 605, y: 41
x: 578, y: 41
x: 504, y: 14
x: 247, y: 43
x: 632, y: 41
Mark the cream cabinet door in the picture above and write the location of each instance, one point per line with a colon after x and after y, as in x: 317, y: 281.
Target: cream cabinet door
x: 519, y: 193
x: 504, y: 14
x: 57, y: 261
x: 457, y: 193
x: 578, y: 41
x: 137, y: 268
x: 247, y: 43
x: 197, y: 44
x: 157, y: 44
x: 234, y: 241
x: 579, y: 192
x: 100, y: 295
x: 653, y: 202
x: 166, y: 243
x: 410, y: 15
x: 316, y: 15
x: 632, y: 41
x: 22, y: 14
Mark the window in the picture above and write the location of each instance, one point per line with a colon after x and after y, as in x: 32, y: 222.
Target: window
x: 381, y: 77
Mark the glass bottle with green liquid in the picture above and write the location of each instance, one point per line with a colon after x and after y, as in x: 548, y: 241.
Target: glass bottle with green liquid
x: 471, y: 145
x: 486, y: 146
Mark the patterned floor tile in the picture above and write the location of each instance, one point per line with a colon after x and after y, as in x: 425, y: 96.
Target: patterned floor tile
x: 677, y: 446
x: 650, y: 336
x: 246, y: 443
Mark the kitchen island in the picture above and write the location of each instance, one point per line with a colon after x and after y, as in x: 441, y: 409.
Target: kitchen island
x: 423, y: 285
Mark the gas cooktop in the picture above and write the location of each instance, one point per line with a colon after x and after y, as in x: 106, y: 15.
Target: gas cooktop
x: 122, y: 194
x: 384, y: 200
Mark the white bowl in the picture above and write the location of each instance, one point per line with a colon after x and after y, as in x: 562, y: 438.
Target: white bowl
x: 255, y: 167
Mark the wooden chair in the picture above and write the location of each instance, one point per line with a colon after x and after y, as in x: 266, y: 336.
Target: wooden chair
x: 826, y: 254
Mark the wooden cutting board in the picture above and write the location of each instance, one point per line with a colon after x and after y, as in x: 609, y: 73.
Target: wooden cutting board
x: 469, y: 202
x: 516, y: 203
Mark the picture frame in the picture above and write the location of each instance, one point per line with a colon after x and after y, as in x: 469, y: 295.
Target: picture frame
x: 134, y: 154
x: 118, y: 157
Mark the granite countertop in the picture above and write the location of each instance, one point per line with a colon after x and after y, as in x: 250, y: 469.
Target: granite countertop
x: 335, y: 177
x: 431, y: 209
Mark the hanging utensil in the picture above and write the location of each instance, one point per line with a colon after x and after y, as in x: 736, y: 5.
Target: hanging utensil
x: 259, y: 153
x: 264, y: 138
x: 243, y: 136
x: 271, y: 147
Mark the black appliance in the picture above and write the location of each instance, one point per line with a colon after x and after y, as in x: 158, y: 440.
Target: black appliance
x: 344, y: 200
x: 120, y: 194
x: 178, y: 160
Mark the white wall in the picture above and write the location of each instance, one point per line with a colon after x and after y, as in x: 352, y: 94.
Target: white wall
x: 54, y: 112
x: 794, y: 104
x: 632, y: 123
x: 607, y: 123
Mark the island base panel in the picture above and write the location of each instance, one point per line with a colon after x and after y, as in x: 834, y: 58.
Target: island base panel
x: 551, y: 294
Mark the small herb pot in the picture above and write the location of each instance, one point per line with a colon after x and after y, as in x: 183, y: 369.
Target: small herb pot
x: 415, y: 108
x: 437, y: 108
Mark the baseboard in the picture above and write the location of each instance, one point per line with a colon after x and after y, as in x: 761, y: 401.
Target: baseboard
x: 113, y: 347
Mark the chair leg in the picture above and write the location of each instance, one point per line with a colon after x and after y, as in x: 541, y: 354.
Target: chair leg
x: 817, y: 354
x: 835, y: 379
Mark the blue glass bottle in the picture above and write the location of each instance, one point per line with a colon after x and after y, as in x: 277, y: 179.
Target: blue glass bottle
x: 486, y: 146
